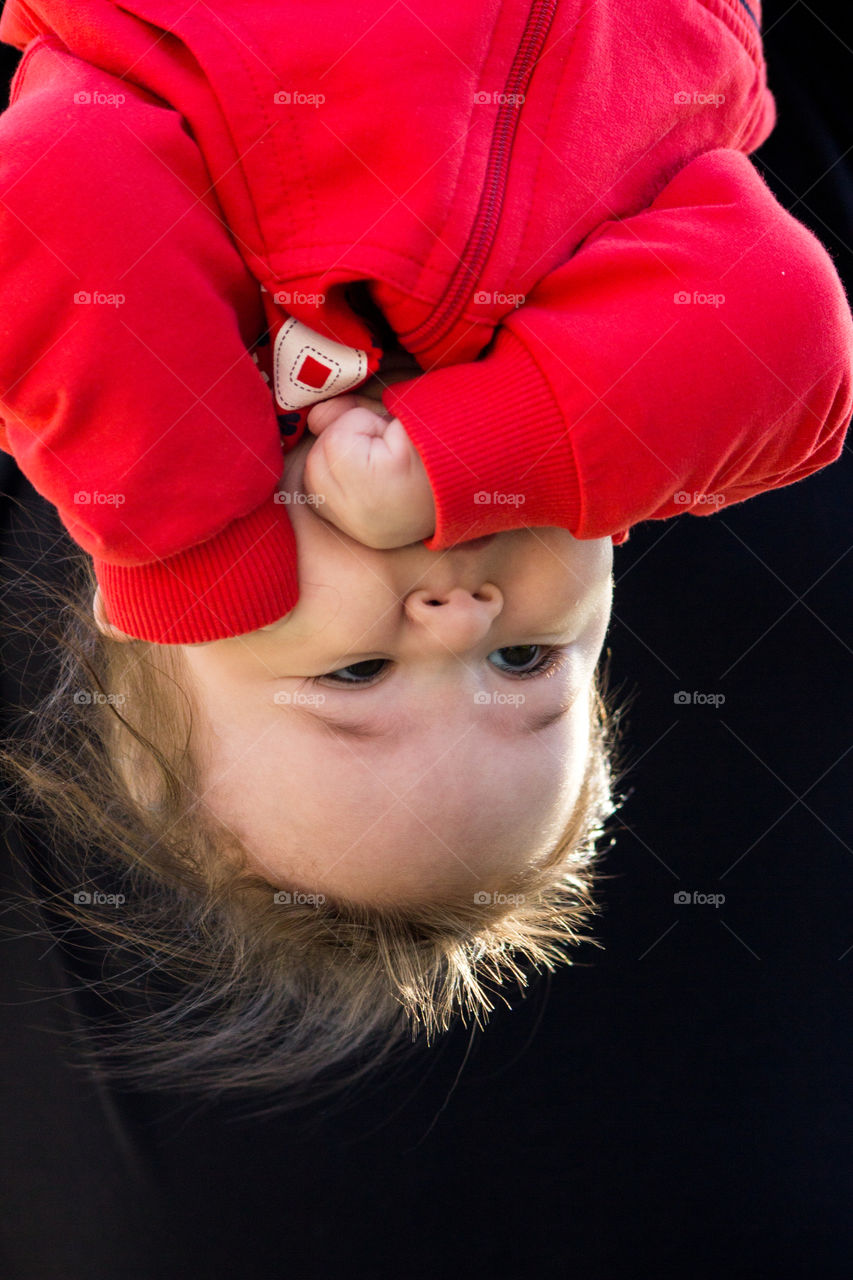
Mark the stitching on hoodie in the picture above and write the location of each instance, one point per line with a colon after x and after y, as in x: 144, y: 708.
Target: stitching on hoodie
x: 751, y: 14
x: 45, y: 40
x: 733, y: 13
x: 537, y: 180
x: 262, y: 108
x: 450, y: 207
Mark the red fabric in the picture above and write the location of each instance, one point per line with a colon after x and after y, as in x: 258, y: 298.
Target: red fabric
x: 174, y: 162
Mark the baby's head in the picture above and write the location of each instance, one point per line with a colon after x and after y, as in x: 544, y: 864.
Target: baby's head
x: 417, y: 729
x: 294, y: 886
x: 345, y: 827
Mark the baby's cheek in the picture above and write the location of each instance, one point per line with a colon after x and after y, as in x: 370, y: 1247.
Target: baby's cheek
x: 317, y: 609
x: 576, y: 568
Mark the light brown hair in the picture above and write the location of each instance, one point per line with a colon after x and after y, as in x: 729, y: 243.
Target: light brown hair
x: 206, y: 981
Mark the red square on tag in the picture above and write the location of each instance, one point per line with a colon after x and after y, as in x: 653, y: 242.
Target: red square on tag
x: 313, y: 373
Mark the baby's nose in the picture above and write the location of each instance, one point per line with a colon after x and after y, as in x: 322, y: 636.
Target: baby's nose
x: 456, y: 619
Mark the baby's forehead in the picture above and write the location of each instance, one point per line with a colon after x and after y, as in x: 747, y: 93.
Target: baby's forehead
x: 429, y: 820
x: 337, y: 813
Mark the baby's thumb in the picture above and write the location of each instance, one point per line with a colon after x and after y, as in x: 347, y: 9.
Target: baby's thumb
x: 322, y: 415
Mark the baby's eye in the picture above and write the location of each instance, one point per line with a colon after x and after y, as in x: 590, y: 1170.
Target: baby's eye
x: 524, y: 661
x: 529, y: 659
x: 341, y: 677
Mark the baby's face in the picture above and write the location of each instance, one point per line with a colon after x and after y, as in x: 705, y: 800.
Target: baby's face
x: 417, y: 726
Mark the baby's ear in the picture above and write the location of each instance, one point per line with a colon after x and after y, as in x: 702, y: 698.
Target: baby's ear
x: 104, y: 626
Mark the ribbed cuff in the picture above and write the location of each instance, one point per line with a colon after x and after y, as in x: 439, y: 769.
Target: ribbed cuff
x: 494, y: 444
x: 243, y: 578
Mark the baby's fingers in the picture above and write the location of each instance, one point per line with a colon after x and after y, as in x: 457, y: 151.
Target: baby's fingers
x: 322, y: 415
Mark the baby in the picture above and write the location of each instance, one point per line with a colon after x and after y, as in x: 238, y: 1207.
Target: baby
x: 421, y: 718
x: 337, y: 715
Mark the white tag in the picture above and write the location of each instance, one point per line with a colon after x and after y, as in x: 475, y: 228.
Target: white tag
x: 308, y: 368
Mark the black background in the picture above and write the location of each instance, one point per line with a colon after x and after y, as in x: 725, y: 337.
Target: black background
x: 680, y: 1101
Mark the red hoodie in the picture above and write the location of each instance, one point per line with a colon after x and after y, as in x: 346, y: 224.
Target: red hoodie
x: 681, y: 343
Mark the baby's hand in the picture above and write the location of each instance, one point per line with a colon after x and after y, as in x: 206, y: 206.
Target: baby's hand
x: 367, y: 474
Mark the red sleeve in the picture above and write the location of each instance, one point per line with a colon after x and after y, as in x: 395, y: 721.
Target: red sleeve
x: 688, y: 357
x: 128, y: 395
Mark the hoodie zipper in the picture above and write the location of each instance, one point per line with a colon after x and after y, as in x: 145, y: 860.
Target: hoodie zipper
x: 480, y: 241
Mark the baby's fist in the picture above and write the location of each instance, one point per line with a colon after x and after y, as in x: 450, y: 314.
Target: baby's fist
x: 366, y: 474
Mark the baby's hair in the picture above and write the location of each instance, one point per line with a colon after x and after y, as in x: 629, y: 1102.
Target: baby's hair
x: 209, y: 981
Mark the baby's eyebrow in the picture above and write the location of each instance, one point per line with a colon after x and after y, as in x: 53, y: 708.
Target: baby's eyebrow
x: 363, y: 730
